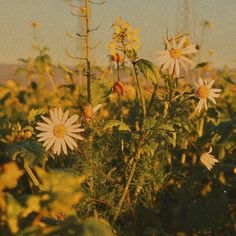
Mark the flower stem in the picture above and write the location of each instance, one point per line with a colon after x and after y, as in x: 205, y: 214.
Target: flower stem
x: 152, y: 99
x: 31, y: 174
x: 136, y: 158
x: 140, y: 91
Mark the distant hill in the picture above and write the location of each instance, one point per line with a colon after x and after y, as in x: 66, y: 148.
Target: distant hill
x: 7, y: 71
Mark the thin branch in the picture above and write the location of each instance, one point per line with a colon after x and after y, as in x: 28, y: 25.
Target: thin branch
x: 73, y: 14
x: 74, y: 57
x: 98, y: 3
x: 81, y: 35
x: 90, y: 30
x: 96, y: 45
x: 69, y: 34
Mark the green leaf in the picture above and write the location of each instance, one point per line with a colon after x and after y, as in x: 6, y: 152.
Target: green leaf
x: 30, y: 151
x: 92, y: 227
x: 170, y: 132
x: 149, y: 70
x: 116, y: 123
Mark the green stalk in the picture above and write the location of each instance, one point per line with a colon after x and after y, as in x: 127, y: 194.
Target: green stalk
x: 136, y: 158
x: 152, y: 99
x: 31, y: 174
x: 140, y: 91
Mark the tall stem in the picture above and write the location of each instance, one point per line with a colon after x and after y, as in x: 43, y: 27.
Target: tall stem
x: 152, y: 99
x: 136, y: 158
x: 140, y: 91
x: 88, y: 70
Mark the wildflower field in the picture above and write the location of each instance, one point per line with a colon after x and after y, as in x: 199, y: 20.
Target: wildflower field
x: 134, y: 147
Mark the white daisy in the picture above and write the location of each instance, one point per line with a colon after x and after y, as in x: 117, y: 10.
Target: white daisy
x: 59, y: 131
x: 204, y: 92
x: 174, y: 57
x: 89, y: 112
x: 208, y: 160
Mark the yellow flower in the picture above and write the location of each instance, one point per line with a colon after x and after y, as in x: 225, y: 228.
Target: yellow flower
x: 124, y: 37
x: 59, y: 131
x: 204, y: 92
x: 175, y: 56
x: 208, y: 160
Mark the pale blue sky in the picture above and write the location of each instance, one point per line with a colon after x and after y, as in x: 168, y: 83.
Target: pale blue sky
x: 152, y: 17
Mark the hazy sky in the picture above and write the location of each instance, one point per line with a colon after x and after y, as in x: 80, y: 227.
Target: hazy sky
x: 152, y: 17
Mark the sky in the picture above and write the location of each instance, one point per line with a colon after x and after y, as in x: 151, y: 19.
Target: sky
x: 153, y: 17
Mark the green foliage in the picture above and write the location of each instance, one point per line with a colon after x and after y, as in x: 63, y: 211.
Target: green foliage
x: 29, y: 152
x: 149, y: 70
x: 116, y: 123
x: 135, y: 172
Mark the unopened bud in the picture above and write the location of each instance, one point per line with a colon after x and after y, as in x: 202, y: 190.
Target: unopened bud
x: 88, y: 111
x: 119, y: 87
x: 118, y: 58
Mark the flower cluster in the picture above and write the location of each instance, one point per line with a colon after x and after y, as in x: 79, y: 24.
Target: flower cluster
x: 124, y: 37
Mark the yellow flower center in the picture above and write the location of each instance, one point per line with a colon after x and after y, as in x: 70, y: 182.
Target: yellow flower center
x: 175, y: 53
x: 203, y: 92
x: 59, y: 131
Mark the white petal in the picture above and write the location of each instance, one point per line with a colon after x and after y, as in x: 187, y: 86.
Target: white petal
x: 53, y: 139
x: 75, y: 126
x: 212, y: 99
x: 75, y: 136
x: 48, y: 121
x: 177, y: 68
x: 44, y: 125
x: 199, y: 105
x: 72, y: 120
x: 60, y: 115
x: 52, y: 115
x: 65, y: 116
x: 185, y: 59
x: 163, y: 59
x: 70, y: 141
x: 47, y: 142
x: 55, y: 146
x: 216, y: 90
x: 183, y: 65
x: 200, y: 81
x: 75, y: 130
x: 96, y: 108
x: 210, y: 84
x: 43, y: 134
x: 64, y: 147
x: 56, y: 116
x: 189, y: 50
x: 181, y: 42
x: 174, y: 43
x: 168, y: 44
x: 42, y: 128
x: 46, y: 136
x: 210, y: 150
x: 166, y: 65
x: 171, y: 68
